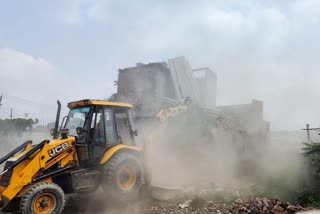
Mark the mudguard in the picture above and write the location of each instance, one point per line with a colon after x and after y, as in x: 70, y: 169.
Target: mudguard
x: 111, y: 151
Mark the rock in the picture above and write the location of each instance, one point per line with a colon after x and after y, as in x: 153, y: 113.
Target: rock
x: 210, y: 203
x: 258, y: 201
x: 242, y: 209
x: 301, y: 208
x: 154, y: 208
x: 277, y: 209
x: 186, y: 204
x: 212, y: 209
x: 264, y: 209
x: 265, y: 200
x: 238, y: 201
x: 186, y: 210
x: 292, y: 208
x: 205, y: 210
x: 259, y: 206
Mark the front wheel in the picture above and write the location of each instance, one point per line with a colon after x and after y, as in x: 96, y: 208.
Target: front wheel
x: 122, y: 177
x: 43, y: 198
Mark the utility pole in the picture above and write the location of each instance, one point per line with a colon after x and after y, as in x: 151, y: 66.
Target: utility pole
x: 10, y: 113
x: 308, y: 132
x: 0, y: 101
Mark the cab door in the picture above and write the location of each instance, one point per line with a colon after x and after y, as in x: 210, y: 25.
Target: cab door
x: 110, y: 127
x: 104, y: 134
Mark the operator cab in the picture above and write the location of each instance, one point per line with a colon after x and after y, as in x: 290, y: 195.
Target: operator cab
x: 97, y: 126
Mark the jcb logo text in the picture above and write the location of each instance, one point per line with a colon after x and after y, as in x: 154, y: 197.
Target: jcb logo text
x: 58, y: 149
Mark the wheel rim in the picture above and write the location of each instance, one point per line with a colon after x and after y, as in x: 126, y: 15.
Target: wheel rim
x: 45, y: 203
x: 126, y: 177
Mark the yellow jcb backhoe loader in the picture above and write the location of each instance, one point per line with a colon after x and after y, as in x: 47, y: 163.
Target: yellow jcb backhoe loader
x: 94, y: 147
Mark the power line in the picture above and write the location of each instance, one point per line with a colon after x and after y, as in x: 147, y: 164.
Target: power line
x: 15, y: 107
x: 16, y: 110
x: 23, y: 100
x: 13, y: 100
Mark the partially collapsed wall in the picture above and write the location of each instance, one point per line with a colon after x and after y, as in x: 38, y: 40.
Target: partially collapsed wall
x: 154, y: 86
x: 151, y: 87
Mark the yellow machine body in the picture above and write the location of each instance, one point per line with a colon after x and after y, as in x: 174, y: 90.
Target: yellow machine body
x: 50, y: 159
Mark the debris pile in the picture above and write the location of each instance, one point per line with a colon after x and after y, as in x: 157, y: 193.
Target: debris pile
x: 239, y: 206
x: 257, y: 205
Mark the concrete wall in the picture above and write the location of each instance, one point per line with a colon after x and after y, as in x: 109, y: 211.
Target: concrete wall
x: 207, y: 82
x: 144, y: 86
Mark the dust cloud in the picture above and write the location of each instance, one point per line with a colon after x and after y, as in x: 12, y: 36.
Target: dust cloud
x: 189, y: 156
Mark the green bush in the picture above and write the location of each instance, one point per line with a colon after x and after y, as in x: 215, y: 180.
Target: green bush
x: 308, y: 197
x: 310, y: 194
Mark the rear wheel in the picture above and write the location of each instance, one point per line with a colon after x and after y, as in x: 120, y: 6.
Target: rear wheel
x: 123, y: 177
x: 43, y: 198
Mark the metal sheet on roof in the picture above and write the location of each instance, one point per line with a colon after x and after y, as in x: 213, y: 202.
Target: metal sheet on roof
x: 183, y: 78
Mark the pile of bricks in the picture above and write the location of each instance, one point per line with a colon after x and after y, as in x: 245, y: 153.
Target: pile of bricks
x: 257, y: 205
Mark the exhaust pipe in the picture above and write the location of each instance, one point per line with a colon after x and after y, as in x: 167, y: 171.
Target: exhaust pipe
x: 56, y: 125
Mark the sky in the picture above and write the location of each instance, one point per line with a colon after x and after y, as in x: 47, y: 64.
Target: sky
x: 69, y: 50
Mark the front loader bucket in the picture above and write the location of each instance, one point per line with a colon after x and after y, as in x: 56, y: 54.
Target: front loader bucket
x: 15, y: 151
x: 3, y: 177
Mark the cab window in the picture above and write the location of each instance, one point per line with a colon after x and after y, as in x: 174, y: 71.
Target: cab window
x: 123, y: 127
x: 99, y: 134
x: 76, y: 118
x: 110, y: 127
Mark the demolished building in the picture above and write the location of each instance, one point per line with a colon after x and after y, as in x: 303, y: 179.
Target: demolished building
x: 150, y: 87
x: 154, y: 86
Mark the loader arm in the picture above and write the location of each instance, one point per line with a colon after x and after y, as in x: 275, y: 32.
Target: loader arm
x: 31, y: 166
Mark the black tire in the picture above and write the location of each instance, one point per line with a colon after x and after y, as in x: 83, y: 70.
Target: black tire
x: 113, y: 171
x: 50, y: 194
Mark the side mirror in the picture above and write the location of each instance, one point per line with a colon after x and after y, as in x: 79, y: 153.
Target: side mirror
x: 52, y: 132
x: 80, y: 131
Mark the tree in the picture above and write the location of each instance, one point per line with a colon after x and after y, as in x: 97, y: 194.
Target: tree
x: 312, y: 151
x: 18, y: 125
x: 36, y: 121
x: 112, y: 98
